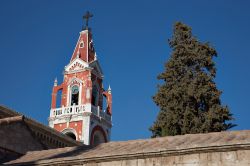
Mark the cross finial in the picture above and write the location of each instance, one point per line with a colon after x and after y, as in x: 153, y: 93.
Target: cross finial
x: 87, y: 16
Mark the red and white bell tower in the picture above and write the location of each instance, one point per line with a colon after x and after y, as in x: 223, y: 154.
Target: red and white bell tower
x: 81, y: 114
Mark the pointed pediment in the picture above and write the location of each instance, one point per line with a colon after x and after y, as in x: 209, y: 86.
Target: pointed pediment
x: 81, y: 48
x: 76, y: 65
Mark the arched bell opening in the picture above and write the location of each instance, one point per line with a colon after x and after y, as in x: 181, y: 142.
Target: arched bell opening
x: 59, y: 98
x: 75, y: 95
x: 95, y: 96
x: 98, y: 136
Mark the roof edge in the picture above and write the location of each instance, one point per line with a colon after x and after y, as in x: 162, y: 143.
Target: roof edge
x: 32, y: 122
x: 165, y: 153
x: 13, y: 119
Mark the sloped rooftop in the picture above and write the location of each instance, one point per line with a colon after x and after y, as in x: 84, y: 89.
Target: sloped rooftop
x: 20, y: 134
x: 171, y: 145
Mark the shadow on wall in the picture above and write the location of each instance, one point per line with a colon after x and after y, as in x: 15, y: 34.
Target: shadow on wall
x: 6, y: 155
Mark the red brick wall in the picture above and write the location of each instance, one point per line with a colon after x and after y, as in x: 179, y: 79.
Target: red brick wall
x: 76, y: 125
x: 82, y: 51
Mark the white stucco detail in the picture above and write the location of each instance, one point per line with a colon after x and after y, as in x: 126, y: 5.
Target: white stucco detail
x: 88, y: 107
x: 85, y: 130
x: 79, y: 63
x: 70, y: 130
x: 51, y: 124
x: 88, y: 93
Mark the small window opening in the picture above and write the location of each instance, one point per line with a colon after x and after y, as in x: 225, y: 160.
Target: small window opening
x: 81, y: 44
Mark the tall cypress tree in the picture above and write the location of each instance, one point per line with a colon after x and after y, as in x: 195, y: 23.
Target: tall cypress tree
x: 188, y: 99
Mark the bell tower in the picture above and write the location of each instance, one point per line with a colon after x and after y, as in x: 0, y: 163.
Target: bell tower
x: 81, y: 114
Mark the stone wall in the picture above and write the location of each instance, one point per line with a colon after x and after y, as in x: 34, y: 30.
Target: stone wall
x: 229, y: 158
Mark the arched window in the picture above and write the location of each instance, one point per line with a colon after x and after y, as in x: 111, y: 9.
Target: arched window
x: 71, y: 135
x: 98, y: 138
x: 94, y: 99
x: 74, y: 95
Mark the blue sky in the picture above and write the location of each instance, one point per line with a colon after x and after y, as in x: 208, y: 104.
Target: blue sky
x: 37, y: 39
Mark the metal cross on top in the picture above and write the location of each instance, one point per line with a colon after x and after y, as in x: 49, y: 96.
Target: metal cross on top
x: 87, y: 16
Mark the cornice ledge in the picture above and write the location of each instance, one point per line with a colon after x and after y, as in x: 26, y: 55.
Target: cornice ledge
x: 167, y: 152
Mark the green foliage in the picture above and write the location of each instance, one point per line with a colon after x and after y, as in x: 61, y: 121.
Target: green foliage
x: 188, y: 99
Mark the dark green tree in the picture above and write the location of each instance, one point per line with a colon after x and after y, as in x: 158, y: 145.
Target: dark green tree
x: 188, y: 99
